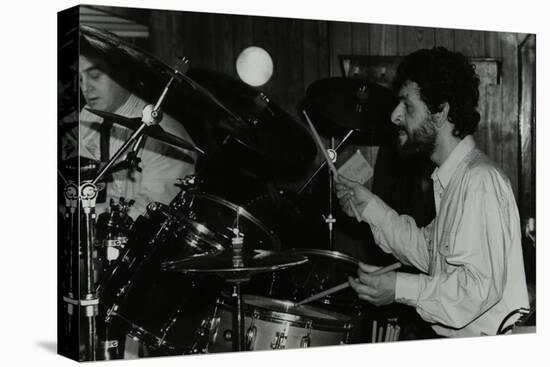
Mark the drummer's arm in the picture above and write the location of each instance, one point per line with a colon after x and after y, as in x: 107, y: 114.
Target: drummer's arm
x: 399, y: 234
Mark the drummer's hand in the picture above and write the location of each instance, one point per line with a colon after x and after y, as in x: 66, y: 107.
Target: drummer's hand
x: 347, y: 190
x: 376, y: 289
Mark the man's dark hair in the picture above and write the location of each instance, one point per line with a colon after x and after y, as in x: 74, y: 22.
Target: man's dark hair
x: 111, y: 63
x: 444, y: 76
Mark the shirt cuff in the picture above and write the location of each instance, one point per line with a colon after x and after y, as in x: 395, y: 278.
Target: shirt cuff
x: 407, y: 288
x: 374, y: 211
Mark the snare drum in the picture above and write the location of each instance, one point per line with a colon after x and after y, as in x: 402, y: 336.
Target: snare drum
x: 275, y: 324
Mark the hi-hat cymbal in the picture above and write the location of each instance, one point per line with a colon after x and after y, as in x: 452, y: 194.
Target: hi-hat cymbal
x: 225, y: 264
x: 337, y: 105
x: 154, y: 131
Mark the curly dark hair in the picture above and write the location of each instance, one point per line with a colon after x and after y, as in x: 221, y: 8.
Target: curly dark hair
x: 444, y: 76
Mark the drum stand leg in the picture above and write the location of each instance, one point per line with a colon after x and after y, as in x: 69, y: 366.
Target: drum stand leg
x: 238, y: 318
x: 81, y: 299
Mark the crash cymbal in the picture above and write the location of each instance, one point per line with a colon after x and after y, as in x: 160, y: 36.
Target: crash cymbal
x: 154, y: 131
x: 119, y: 51
x: 226, y: 264
x: 137, y: 60
x: 257, y: 124
x: 337, y: 105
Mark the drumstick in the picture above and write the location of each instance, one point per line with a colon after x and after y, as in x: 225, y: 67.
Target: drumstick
x: 346, y: 284
x: 331, y: 165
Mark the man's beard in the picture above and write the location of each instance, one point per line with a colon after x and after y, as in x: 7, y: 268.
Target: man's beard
x: 420, y: 141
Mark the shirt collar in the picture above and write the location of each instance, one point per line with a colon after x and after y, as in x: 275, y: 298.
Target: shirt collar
x: 132, y: 107
x: 444, y: 172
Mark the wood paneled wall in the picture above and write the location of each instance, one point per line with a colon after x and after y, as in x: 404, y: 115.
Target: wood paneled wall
x: 306, y: 50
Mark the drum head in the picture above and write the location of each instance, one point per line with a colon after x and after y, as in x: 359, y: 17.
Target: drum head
x: 208, y: 222
x: 324, y: 269
x: 282, y: 306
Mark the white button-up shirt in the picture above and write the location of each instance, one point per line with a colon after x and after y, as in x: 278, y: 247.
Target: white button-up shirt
x: 161, y: 163
x: 470, y: 254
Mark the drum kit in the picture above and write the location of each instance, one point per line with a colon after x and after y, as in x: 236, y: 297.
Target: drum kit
x: 203, y: 274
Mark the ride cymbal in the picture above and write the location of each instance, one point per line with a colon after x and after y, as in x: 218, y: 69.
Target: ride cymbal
x: 337, y: 105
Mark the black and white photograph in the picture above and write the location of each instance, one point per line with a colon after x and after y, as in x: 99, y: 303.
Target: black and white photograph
x: 233, y: 182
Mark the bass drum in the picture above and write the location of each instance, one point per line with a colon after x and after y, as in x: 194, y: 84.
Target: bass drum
x: 159, y: 309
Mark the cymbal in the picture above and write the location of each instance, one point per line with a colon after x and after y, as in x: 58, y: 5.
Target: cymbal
x: 257, y: 124
x: 154, y: 131
x: 252, y: 262
x: 337, y: 105
x: 128, y: 55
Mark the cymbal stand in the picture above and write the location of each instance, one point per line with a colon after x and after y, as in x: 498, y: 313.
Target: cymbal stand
x: 329, y: 219
x: 81, y: 298
x: 151, y: 115
x: 323, y: 163
x: 237, y: 333
x: 80, y: 199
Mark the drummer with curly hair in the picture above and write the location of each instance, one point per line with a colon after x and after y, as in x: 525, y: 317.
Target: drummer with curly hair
x: 470, y: 256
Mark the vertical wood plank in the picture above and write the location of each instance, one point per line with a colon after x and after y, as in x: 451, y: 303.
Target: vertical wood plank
x: 489, y: 133
x: 510, y: 138
x: 190, y: 37
x: 411, y: 39
x: 340, y: 44
x: 264, y: 35
x: 281, y: 80
x: 209, y: 46
x: 311, y: 55
x: 161, y: 30
x: 177, y: 48
x: 359, y: 38
x: 242, y: 35
x: 445, y: 37
x: 225, y: 58
x: 382, y: 40
x: 471, y: 43
x: 324, y: 49
x: 527, y: 169
x: 492, y: 44
x: 527, y: 130
x: 295, y: 36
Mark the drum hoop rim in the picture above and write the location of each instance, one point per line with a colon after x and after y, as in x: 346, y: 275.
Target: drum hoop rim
x: 339, y: 323
x: 326, y: 253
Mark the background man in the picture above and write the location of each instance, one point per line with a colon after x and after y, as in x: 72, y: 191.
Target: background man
x: 106, y: 85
